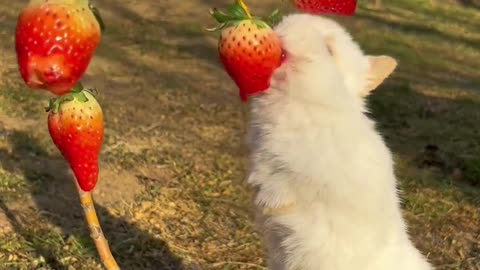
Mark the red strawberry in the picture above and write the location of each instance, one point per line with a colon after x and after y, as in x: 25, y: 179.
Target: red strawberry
x: 55, y: 41
x: 75, y: 123
x: 249, y: 50
x: 341, y: 7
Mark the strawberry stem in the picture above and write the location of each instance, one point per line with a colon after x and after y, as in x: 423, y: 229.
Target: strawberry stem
x: 234, y: 14
x: 77, y: 93
x: 245, y: 8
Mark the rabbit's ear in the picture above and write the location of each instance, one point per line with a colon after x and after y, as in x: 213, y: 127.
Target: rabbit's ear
x: 380, y: 68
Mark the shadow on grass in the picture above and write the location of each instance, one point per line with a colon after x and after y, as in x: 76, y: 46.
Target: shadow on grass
x: 417, y: 28
x: 431, y: 132
x: 54, y: 194
x: 50, y: 258
x: 470, y: 3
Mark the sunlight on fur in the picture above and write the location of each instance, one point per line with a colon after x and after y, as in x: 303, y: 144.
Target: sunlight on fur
x: 326, y: 192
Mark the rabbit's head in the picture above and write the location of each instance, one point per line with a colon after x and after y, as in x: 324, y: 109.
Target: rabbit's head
x: 323, y: 63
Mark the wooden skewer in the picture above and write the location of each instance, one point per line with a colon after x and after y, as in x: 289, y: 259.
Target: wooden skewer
x: 244, y: 6
x: 96, y: 232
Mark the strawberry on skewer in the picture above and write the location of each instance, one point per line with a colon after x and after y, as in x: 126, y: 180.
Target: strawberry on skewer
x: 75, y: 124
x: 55, y: 41
x: 248, y: 48
x: 339, y: 7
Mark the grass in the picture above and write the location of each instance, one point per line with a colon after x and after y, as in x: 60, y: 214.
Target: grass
x: 171, y: 193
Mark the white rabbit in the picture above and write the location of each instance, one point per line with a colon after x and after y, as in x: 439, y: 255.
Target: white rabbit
x: 325, y: 186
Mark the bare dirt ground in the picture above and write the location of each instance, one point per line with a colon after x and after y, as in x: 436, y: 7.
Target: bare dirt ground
x: 171, y: 193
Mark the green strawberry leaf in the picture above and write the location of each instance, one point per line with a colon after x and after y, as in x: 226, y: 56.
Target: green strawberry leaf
x: 220, y: 16
x: 67, y: 98
x: 81, y: 97
x: 77, y: 88
x: 237, y: 11
x: 217, y: 28
x: 274, y: 18
x: 260, y: 23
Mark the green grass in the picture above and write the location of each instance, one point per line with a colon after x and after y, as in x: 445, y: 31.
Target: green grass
x: 172, y: 190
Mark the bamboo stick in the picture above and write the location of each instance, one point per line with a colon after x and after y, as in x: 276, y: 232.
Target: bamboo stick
x: 96, y: 232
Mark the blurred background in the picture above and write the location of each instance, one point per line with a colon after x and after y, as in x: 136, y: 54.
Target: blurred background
x: 172, y: 194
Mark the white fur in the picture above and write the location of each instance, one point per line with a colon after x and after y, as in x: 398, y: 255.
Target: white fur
x: 312, y: 146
